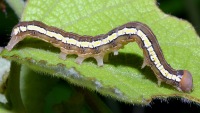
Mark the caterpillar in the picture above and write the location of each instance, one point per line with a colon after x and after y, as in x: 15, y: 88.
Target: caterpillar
x: 100, y: 45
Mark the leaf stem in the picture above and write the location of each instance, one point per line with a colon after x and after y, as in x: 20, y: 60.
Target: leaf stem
x: 13, y: 90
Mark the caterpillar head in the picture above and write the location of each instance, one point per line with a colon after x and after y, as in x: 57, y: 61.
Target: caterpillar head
x: 186, y: 83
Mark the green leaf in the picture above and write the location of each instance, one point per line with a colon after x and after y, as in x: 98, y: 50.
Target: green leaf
x: 17, y: 6
x: 122, y: 77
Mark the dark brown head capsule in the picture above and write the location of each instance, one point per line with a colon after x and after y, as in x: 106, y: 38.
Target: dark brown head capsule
x: 186, y: 83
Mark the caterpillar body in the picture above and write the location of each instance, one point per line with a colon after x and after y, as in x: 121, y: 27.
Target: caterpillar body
x: 100, y: 45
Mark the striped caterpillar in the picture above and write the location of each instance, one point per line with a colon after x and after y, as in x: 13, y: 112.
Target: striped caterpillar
x: 100, y: 45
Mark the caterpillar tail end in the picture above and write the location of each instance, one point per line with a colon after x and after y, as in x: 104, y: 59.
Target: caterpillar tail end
x: 13, y: 41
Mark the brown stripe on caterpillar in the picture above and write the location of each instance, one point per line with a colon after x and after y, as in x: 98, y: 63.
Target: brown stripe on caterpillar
x: 101, y: 45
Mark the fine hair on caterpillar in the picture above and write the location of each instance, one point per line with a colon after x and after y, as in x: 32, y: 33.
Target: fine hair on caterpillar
x: 100, y: 45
